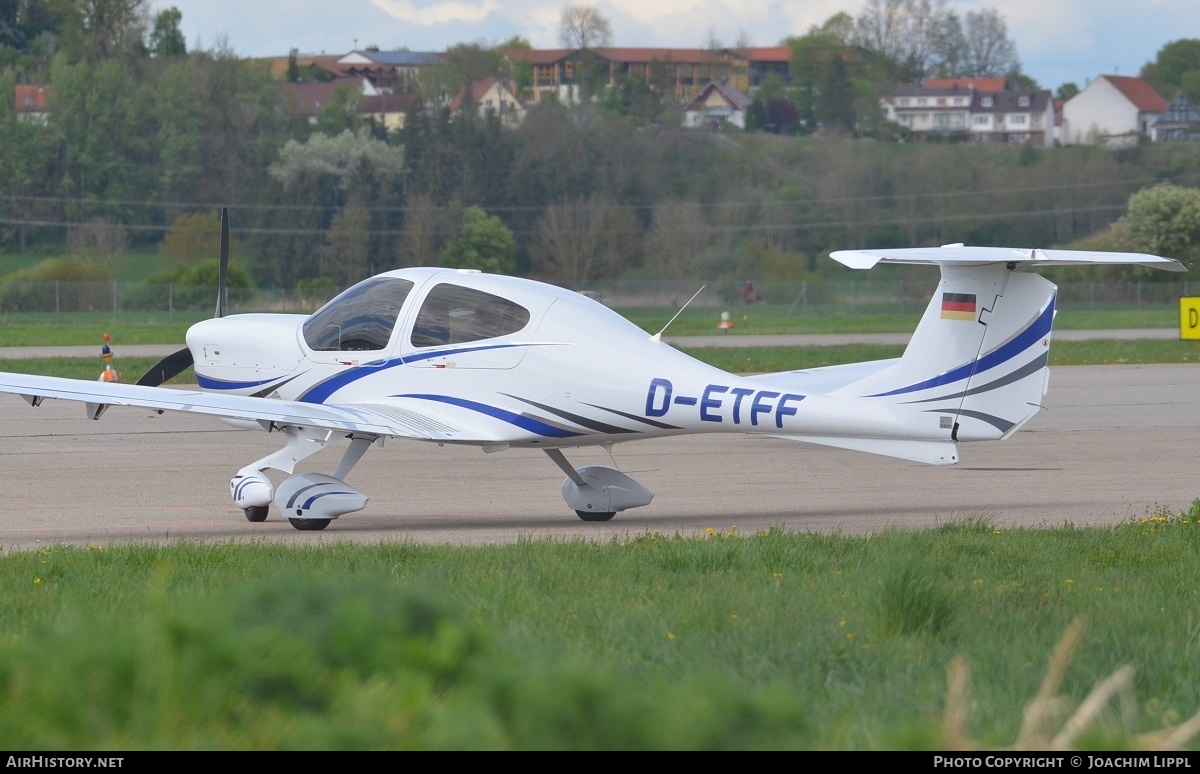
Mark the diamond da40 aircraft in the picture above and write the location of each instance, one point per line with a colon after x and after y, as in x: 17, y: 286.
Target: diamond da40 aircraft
x: 460, y: 357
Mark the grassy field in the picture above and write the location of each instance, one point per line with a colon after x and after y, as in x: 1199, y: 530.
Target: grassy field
x: 744, y: 360
x: 901, y: 640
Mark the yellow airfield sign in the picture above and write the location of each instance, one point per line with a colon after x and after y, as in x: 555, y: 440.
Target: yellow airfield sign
x: 1189, y: 317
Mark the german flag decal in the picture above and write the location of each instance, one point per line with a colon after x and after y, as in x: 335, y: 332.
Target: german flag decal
x: 958, y: 306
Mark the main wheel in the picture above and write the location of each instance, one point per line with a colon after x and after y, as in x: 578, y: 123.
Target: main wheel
x: 596, y: 515
x: 310, y: 524
x: 257, y: 512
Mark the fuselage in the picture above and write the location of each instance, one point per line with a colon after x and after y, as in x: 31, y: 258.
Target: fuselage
x: 519, y: 362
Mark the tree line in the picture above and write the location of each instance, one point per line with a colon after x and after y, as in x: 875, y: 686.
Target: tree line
x: 144, y: 140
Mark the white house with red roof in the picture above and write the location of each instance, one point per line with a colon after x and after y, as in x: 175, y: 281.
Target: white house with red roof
x: 30, y: 102
x: 1110, y: 109
x: 491, y: 97
x: 717, y: 103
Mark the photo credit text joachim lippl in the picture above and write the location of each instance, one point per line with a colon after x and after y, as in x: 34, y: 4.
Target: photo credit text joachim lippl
x: 1085, y: 761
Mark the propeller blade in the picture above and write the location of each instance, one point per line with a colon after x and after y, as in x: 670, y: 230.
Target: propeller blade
x: 170, y: 366
x: 223, y: 273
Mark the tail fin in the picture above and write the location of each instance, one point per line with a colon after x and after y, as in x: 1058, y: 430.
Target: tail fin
x: 978, y: 360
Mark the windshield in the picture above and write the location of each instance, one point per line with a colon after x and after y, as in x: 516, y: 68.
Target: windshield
x: 359, y: 319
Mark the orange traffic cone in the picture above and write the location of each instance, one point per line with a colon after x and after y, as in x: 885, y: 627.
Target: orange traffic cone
x: 108, y: 374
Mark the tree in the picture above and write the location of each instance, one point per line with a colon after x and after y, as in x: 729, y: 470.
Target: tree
x: 28, y: 155
x: 989, y: 52
x: 581, y: 239
x: 166, y: 40
x: 195, y: 237
x: 484, y: 243
x: 345, y: 256
x: 177, y: 113
x: 1165, y: 220
x: 293, y: 66
x: 336, y: 157
x: 582, y: 26
x: 100, y: 30
x: 104, y: 120
x: 341, y: 114
x: 679, y: 237
x: 881, y: 27
x: 1066, y: 91
x: 1177, y: 58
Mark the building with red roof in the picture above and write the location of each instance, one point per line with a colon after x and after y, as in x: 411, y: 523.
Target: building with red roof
x: 680, y: 72
x: 1109, y: 108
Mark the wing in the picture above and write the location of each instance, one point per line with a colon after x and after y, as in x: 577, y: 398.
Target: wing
x: 379, y: 419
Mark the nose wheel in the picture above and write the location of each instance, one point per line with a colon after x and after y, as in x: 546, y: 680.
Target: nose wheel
x: 256, y: 513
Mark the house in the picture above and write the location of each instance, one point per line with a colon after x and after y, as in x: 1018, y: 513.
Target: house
x: 30, y: 103
x: 491, y: 97
x: 308, y: 98
x: 1111, y: 106
x: 717, y: 103
x: 389, y: 110
x: 1013, y: 117
x: 278, y: 65
x: 394, y: 71
x: 678, y: 72
x: 982, y: 111
x: 1180, y: 121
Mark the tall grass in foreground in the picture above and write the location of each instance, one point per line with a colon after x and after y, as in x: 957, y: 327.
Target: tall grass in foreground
x: 936, y: 639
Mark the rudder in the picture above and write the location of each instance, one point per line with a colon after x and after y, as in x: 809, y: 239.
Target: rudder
x: 978, y: 360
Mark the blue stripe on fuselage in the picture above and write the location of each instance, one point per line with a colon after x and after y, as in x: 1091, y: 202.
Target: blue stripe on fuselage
x: 520, y: 420
x: 321, y: 391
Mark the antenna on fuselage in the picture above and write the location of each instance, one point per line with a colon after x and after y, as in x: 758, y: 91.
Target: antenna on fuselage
x: 658, y: 336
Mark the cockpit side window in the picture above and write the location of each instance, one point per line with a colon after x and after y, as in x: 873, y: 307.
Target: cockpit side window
x: 453, y: 314
x: 360, y: 319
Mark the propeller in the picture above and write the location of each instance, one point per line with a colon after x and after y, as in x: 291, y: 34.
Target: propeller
x: 177, y: 362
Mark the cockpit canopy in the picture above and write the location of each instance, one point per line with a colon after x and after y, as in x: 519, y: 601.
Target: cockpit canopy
x: 360, y: 318
x: 363, y: 317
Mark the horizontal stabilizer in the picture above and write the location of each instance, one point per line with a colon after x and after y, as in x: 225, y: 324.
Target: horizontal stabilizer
x: 927, y: 452
x: 865, y: 259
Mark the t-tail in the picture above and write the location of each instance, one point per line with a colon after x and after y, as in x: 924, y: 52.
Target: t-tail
x: 977, y: 366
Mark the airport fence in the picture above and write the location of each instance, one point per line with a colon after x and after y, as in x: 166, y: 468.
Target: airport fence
x: 49, y: 302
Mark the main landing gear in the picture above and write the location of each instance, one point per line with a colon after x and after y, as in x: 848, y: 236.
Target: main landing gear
x: 310, y: 501
x: 595, y: 492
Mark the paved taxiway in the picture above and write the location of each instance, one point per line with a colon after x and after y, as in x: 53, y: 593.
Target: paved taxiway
x: 1113, y: 444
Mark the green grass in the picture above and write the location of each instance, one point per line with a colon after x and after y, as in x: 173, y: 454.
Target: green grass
x: 770, y: 641
x: 767, y: 319
x: 83, y: 328
x: 744, y: 360
x: 92, y: 333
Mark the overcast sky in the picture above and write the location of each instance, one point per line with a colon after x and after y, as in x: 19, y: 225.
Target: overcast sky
x: 1058, y: 41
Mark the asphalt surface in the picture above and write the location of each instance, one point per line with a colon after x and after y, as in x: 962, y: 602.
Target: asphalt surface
x: 1112, y: 444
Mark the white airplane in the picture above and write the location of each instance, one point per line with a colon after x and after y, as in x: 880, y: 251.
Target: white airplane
x: 456, y: 356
